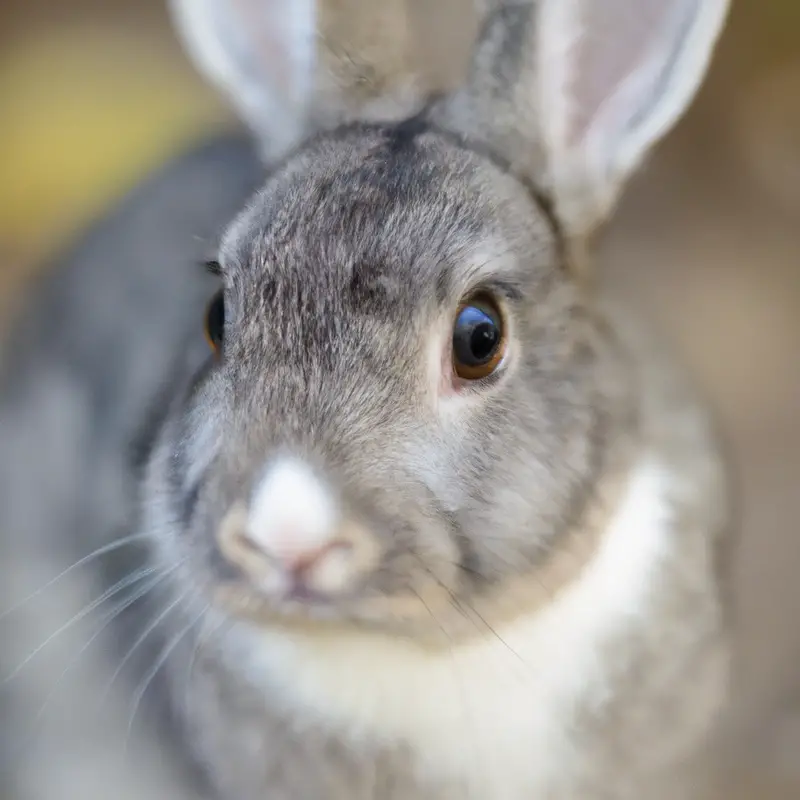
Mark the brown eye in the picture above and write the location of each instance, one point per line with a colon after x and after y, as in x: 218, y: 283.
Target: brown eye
x: 215, y: 321
x: 479, y: 341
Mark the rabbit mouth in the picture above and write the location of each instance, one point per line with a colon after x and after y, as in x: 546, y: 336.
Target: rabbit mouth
x: 427, y: 613
x: 296, y: 606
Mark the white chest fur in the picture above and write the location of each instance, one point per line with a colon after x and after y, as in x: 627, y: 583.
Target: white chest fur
x: 499, y: 709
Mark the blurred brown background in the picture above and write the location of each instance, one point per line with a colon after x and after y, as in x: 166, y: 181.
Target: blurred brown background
x: 94, y: 93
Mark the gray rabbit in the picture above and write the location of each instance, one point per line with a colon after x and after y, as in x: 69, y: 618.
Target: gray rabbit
x: 429, y: 516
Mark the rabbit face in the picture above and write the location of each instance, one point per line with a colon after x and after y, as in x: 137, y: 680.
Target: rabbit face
x: 351, y: 453
x: 413, y: 403
x: 409, y: 403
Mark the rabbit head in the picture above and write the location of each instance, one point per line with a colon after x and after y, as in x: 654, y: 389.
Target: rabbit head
x: 413, y: 405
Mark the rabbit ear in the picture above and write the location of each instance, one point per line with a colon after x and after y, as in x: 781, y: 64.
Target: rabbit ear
x: 261, y: 53
x: 574, y: 93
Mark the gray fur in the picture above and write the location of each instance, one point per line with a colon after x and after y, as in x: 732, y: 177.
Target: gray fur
x: 331, y: 321
x: 112, y: 326
x: 357, y: 248
x: 340, y: 386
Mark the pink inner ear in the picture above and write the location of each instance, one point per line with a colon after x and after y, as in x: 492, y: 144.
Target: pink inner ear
x: 268, y: 40
x: 616, y: 38
x: 280, y: 43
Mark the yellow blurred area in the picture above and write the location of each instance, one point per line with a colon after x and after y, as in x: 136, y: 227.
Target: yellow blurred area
x: 86, y: 112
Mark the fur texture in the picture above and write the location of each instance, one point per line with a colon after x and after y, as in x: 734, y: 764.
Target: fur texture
x: 537, y: 549
x: 376, y: 578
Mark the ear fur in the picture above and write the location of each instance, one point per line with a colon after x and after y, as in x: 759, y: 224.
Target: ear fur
x: 291, y: 67
x: 575, y: 93
x: 260, y: 53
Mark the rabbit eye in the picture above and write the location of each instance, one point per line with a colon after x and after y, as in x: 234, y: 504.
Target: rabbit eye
x: 215, y: 321
x: 479, y: 341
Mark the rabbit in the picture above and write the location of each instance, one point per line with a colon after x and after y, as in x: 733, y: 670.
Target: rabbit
x: 104, y: 335
x: 434, y: 517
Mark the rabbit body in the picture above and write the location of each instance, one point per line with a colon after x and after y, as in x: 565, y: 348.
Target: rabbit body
x: 559, y: 667
x: 394, y: 575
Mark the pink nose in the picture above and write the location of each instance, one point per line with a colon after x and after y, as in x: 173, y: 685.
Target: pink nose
x: 300, y: 563
x: 291, y: 537
x: 287, y: 565
x: 304, y: 570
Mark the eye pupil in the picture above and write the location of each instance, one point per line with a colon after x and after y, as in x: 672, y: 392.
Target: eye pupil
x: 483, y: 341
x: 478, y: 342
x: 215, y: 321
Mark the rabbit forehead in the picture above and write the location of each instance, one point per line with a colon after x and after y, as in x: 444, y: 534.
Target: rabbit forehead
x: 407, y: 208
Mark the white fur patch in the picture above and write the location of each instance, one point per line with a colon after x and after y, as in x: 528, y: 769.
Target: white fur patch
x: 496, y: 710
x: 292, y: 512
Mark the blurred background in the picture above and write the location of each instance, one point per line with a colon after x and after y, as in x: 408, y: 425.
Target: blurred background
x: 94, y: 94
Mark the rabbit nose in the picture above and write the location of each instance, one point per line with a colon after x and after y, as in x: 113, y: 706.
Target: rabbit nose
x: 292, y: 514
x: 290, y: 538
x: 299, y: 564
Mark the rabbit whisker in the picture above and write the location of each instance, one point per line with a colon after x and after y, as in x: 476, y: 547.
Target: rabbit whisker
x: 100, y: 551
x: 124, y: 583
x: 140, y: 640
x: 109, y: 617
x: 202, y: 640
x: 468, y: 610
x: 166, y: 651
